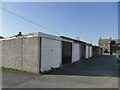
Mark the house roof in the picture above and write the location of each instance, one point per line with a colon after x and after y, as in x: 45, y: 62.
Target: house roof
x: 102, y: 41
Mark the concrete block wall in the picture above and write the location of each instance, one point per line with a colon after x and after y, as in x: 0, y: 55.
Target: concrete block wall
x: 18, y: 53
x: 11, y: 53
x: 21, y: 54
x: 5, y: 53
x: 30, y: 54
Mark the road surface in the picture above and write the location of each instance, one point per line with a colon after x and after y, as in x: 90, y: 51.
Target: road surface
x: 96, y: 72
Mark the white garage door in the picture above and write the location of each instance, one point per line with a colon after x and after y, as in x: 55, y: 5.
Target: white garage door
x: 50, y: 54
x: 0, y: 53
x: 75, y: 52
x: 87, y: 52
x: 90, y: 51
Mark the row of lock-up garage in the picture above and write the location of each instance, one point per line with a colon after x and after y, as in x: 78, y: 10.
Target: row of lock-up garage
x: 39, y: 52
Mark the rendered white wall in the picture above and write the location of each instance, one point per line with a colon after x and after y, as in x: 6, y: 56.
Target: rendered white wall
x: 50, y: 54
x: 75, y: 52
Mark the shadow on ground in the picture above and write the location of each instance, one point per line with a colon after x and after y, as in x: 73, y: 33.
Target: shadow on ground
x: 106, y: 66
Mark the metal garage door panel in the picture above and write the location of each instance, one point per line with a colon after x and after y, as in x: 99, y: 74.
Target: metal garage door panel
x: 50, y: 54
x: 0, y: 53
x: 75, y: 54
x: 66, y: 52
x: 90, y: 51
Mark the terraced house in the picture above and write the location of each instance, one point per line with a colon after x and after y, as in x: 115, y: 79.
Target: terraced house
x: 109, y: 46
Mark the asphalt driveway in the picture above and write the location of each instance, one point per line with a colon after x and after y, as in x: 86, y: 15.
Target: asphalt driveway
x: 96, y: 72
x: 96, y: 66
